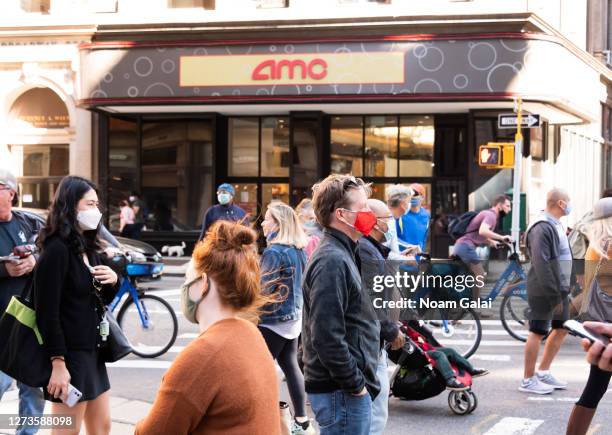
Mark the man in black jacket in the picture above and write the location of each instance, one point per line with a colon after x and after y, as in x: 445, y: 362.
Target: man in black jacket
x: 548, y: 283
x: 374, y: 264
x: 340, y: 333
x: 16, y: 228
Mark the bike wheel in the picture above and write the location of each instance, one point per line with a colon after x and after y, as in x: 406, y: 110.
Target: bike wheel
x: 461, y: 331
x: 159, y: 335
x: 514, y: 312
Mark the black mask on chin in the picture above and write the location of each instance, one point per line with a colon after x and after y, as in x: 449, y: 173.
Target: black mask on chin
x: 502, y: 214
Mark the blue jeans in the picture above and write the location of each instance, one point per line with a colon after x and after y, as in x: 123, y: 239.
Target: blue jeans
x: 341, y: 413
x: 31, y: 402
x: 380, y: 405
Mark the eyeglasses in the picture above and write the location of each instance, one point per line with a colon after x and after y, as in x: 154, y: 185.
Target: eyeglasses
x: 383, y: 218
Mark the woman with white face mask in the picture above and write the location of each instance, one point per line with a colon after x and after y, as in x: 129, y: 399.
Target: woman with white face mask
x: 70, y: 288
x: 224, y: 381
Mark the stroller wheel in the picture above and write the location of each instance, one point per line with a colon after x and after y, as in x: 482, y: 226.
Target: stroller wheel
x: 460, y: 402
x: 474, y: 401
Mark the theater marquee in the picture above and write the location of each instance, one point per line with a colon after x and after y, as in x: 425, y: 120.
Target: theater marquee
x: 292, y: 69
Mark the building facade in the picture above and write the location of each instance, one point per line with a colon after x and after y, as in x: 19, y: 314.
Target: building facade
x: 272, y: 96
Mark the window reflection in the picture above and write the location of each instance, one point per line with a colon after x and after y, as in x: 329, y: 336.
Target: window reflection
x: 246, y: 198
x: 347, y: 145
x: 122, y: 165
x: 273, y: 192
x: 416, y: 146
x: 381, y: 146
x: 176, y: 173
x: 243, y: 147
x: 275, y: 157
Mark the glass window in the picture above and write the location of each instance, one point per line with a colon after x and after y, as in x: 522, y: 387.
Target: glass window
x: 537, y: 143
x: 273, y: 192
x: 416, y: 154
x: 306, y: 138
x: 275, y: 157
x: 176, y: 173
x: 123, y: 161
x: 246, y: 197
x: 381, y: 146
x: 243, y: 147
x: 347, y: 145
x: 35, y: 5
x: 41, y: 168
x: 205, y: 4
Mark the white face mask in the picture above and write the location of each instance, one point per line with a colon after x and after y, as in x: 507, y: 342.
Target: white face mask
x: 89, y: 219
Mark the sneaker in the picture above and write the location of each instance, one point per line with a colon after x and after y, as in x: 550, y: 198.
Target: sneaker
x: 302, y: 428
x: 476, y: 373
x: 534, y: 386
x: 549, y: 379
x: 454, y: 385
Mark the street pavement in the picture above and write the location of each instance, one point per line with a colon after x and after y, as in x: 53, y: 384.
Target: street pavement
x: 502, y: 409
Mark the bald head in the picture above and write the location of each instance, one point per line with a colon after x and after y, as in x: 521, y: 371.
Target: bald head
x: 379, y: 208
x: 555, y: 195
x: 558, y: 203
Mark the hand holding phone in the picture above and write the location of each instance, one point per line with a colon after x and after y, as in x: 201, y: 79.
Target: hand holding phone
x: 581, y: 331
x: 72, y: 397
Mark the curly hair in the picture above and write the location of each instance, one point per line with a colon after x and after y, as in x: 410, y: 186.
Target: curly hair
x: 62, y: 218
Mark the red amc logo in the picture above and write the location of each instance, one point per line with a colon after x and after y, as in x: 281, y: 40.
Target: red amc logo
x: 316, y: 69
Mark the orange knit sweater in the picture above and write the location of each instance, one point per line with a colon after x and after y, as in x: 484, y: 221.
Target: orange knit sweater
x: 224, y: 382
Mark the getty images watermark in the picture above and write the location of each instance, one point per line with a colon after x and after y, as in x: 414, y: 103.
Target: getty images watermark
x: 453, y: 285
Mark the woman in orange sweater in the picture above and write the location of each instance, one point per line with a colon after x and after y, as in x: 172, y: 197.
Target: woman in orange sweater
x: 224, y: 382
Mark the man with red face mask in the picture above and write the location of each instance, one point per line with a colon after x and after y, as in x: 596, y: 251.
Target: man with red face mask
x: 340, y: 332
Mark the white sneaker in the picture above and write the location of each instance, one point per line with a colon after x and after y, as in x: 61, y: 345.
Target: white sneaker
x: 549, y: 379
x: 535, y: 386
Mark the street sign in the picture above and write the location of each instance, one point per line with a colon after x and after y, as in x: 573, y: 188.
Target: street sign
x: 510, y: 120
x: 496, y: 155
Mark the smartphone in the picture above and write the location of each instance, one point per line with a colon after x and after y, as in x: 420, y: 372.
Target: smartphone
x: 73, y: 396
x: 581, y: 331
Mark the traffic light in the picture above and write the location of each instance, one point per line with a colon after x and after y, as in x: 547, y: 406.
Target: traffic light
x: 496, y: 155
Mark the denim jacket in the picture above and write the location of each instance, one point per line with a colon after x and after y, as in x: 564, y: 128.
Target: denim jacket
x: 282, y: 267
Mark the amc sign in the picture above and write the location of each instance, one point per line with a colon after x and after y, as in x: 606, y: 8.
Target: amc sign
x: 292, y: 69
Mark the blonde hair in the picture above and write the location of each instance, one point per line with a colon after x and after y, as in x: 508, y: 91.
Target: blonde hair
x: 290, y: 231
x: 599, y: 232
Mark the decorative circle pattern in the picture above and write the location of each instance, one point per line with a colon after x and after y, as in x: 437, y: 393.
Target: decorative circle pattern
x: 143, y: 66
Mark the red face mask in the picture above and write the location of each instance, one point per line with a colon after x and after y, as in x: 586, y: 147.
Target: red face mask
x: 364, y: 222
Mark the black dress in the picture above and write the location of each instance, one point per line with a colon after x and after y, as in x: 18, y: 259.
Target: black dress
x: 68, y: 314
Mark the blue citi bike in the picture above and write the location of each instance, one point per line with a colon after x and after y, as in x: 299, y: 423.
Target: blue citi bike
x: 148, y: 321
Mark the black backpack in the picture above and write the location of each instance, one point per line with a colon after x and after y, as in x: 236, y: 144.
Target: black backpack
x: 457, y: 227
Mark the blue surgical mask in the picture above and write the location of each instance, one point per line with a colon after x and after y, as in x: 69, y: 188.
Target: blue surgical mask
x: 415, y: 201
x: 568, y: 209
x: 224, y: 198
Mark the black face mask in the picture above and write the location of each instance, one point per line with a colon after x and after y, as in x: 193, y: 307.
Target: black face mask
x: 502, y: 214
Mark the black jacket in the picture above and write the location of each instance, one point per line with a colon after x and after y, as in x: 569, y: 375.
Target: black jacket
x: 373, y: 257
x: 67, y: 311
x: 340, y: 332
x: 10, y: 286
x: 545, y: 276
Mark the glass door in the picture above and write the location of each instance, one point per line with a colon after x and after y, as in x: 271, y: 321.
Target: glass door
x: 306, y: 142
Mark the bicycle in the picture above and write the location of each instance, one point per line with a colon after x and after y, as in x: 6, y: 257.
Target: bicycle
x: 147, y: 320
x: 453, y: 326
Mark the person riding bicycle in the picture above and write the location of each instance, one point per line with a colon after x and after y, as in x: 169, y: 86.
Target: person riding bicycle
x: 480, y: 232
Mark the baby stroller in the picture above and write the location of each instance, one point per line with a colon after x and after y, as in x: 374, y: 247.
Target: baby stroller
x: 416, y: 377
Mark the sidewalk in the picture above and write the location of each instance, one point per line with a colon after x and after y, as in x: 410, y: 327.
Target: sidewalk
x: 124, y: 413
x: 175, y: 266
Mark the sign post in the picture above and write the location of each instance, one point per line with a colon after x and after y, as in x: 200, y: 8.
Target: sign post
x: 516, y: 187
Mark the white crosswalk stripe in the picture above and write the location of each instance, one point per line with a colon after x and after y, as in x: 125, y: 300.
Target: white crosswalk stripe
x: 515, y: 426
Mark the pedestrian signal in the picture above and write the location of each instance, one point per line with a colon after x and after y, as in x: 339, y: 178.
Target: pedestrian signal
x: 496, y: 155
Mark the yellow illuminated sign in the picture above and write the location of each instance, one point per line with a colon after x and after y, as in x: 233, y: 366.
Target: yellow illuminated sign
x: 292, y: 69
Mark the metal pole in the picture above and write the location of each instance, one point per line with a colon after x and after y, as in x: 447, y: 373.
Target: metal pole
x: 516, y: 189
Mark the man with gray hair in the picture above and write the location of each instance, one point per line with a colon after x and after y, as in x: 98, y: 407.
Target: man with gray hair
x: 398, y: 201
x: 548, y: 283
x: 16, y: 229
